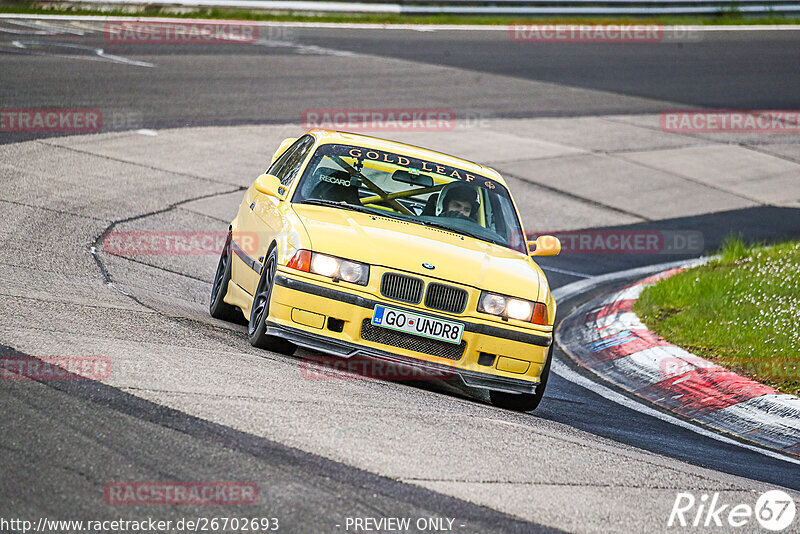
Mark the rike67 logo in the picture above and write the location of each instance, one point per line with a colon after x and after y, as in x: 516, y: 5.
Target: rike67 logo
x: 774, y: 510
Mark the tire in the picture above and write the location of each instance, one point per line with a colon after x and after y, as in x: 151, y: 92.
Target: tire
x: 218, y: 308
x: 524, y: 402
x: 259, y: 312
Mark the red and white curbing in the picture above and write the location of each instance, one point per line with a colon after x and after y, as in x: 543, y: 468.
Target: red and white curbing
x: 606, y: 337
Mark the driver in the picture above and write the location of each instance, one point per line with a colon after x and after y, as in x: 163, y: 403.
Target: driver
x: 460, y: 201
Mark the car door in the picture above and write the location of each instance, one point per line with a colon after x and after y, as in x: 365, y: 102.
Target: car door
x: 263, y: 217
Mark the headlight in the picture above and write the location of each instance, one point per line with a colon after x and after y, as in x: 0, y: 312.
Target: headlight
x: 519, y: 309
x: 493, y: 304
x: 508, y: 307
x: 330, y: 267
x: 324, y: 265
x: 353, y: 272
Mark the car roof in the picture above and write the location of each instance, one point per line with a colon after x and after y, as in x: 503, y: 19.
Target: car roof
x: 366, y: 141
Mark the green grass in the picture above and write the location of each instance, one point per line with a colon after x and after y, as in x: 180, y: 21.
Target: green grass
x: 741, y: 311
x: 727, y: 18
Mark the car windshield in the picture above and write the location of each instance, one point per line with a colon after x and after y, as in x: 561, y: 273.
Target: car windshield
x: 400, y: 186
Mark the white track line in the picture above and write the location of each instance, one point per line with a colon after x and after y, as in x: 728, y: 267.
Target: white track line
x: 562, y: 370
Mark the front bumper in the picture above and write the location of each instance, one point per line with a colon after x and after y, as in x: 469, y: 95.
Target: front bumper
x: 345, y: 349
x: 301, y: 308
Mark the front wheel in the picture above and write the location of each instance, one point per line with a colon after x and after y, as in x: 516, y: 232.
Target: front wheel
x: 256, y: 328
x: 524, y: 402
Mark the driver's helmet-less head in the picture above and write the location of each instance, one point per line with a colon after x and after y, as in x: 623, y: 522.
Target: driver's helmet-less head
x: 457, y: 191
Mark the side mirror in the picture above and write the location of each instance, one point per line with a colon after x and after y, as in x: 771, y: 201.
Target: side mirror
x: 545, y: 245
x: 286, y: 143
x: 270, y: 186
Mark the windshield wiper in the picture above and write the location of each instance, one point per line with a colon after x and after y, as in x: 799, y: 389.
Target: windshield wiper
x: 441, y: 226
x: 343, y: 205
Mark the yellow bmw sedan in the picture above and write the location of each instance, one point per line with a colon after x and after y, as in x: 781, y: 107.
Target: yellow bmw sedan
x: 356, y: 246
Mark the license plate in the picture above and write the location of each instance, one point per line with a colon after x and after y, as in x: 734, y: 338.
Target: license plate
x: 420, y: 325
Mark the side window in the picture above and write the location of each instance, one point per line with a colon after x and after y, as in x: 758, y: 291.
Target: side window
x: 287, y: 165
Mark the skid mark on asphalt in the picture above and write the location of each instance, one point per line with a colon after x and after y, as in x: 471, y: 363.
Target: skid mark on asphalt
x: 566, y: 271
x: 49, y: 29
x: 305, y: 49
x: 24, y: 31
x: 53, y: 210
x: 47, y: 48
x: 54, y: 143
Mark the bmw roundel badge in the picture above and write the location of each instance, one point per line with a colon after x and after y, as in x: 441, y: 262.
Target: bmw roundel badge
x: 428, y: 266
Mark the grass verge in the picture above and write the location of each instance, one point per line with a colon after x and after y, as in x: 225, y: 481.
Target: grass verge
x: 741, y: 311
x: 60, y: 8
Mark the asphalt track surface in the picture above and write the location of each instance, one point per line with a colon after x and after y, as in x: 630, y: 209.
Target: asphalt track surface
x: 322, y: 453
x: 290, y: 69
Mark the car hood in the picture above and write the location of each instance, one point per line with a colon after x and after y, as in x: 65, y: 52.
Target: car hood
x: 405, y: 246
